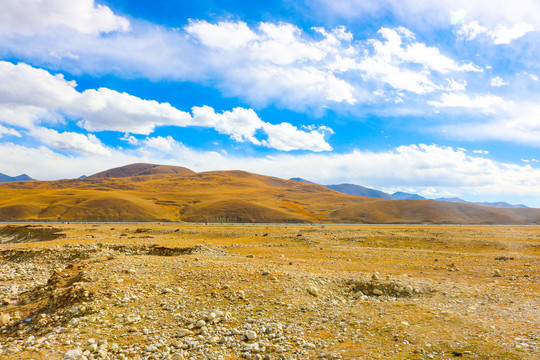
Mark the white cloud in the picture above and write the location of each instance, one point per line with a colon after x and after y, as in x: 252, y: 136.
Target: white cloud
x: 130, y: 139
x: 276, y: 62
x: 287, y: 137
x: 390, y: 59
x: 106, y: 109
x: 505, y: 35
x: 30, y: 97
x: 437, y: 13
x: 242, y: 125
x: 431, y: 192
x: 160, y: 143
x: 520, y: 123
x: 486, y: 103
x: 268, y: 63
x: 485, y: 152
x: 469, y: 31
x: 32, y: 16
x: 4, y: 131
x: 500, y: 34
x: 225, y: 34
x: 25, y: 85
x: 71, y: 141
x: 498, y: 81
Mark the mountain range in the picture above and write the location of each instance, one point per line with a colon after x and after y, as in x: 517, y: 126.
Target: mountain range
x: 149, y: 192
x: 352, y: 189
x: 6, y: 178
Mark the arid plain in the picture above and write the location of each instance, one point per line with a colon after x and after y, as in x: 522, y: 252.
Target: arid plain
x: 181, y: 291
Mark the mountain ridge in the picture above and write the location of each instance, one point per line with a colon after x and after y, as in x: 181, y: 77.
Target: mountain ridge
x: 353, y: 189
x: 227, y: 196
x: 6, y: 178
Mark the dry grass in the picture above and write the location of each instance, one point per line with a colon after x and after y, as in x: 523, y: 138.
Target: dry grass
x: 228, y: 196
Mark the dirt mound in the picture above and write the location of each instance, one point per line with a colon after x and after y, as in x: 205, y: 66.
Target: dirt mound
x: 70, y: 253
x: 389, y: 288
x: 12, y: 234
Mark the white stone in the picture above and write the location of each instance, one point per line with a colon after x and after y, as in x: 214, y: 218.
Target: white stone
x: 200, y: 323
x: 313, y: 290
x: 91, y: 347
x: 5, y: 319
x: 251, y: 335
x: 183, y: 332
x: 71, y: 354
x: 377, y: 292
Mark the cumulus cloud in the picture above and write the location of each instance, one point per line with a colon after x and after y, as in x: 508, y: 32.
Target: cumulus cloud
x: 160, y: 143
x: 30, y: 97
x: 276, y: 62
x: 106, y: 109
x: 85, y: 16
x: 287, y: 137
x: 390, y: 58
x: 71, y: 141
x: 242, y: 125
x: 268, y: 63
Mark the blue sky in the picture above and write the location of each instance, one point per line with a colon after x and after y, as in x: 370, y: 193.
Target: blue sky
x: 437, y: 98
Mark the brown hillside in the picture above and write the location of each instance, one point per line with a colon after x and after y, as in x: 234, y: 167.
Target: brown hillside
x: 225, y: 196
x: 140, y: 169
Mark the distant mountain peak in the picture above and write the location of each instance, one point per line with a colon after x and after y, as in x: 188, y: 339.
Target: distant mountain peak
x: 22, y: 177
x: 302, y: 180
x: 358, y: 190
x: 400, y: 195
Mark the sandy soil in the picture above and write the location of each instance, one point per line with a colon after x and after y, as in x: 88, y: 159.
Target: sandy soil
x: 169, y: 291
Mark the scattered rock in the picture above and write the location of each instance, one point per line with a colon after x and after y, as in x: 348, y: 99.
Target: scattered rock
x: 4, y: 319
x: 251, y: 335
x: 313, y: 290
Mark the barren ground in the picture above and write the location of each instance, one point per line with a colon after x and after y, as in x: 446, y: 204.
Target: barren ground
x: 169, y: 291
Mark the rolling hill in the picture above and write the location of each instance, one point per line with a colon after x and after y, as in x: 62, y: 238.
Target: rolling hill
x: 147, y: 192
x: 140, y: 169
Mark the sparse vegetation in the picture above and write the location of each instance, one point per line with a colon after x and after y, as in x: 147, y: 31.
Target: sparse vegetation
x: 271, y: 292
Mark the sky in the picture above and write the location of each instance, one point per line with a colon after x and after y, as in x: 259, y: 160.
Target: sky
x: 439, y: 98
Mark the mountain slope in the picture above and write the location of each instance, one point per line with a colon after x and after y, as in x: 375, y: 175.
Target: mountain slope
x: 227, y: 196
x: 406, y: 196
x: 6, y: 178
x: 358, y: 190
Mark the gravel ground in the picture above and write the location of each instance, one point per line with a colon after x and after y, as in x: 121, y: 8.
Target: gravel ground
x: 164, y: 291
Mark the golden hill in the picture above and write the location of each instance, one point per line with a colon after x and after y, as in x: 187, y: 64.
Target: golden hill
x: 141, y: 169
x: 146, y: 192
